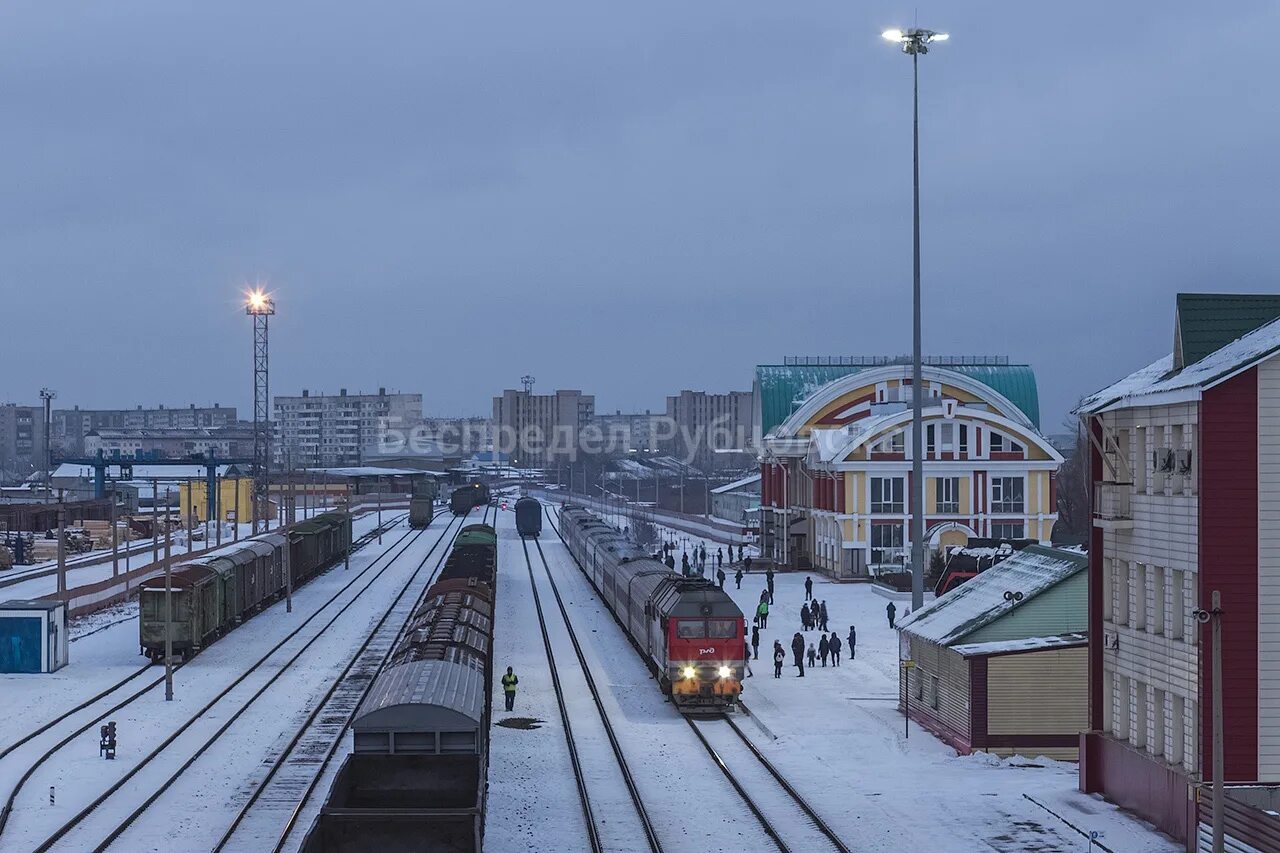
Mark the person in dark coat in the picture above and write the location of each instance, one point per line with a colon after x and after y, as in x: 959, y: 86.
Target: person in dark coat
x: 671, y: 562
x: 824, y: 649
x: 719, y: 558
x: 747, y: 564
x: 822, y: 614
x: 797, y: 650
x: 805, y: 618
x: 892, y: 612
x: 684, y: 564
x: 853, y: 642
x: 740, y: 553
x: 755, y: 642
x: 768, y: 577
x: 808, y: 588
x: 779, y: 658
x: 815, y: 613
x: 702, y: 555
x: 720, y: 576
x: 834, y: 646
x: 737, y: 578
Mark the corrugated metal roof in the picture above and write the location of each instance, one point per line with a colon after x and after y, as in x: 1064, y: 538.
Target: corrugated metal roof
x: 1209, y: 321
x: 429, y: 694
x: 784, y: 387
x: 981, y: 600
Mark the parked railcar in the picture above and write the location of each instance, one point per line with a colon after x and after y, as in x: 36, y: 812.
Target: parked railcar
x: 417, y: 778
x: 688, y: 630
x: 421, y: 510
x: 529, y: 517
x: 220, y: 589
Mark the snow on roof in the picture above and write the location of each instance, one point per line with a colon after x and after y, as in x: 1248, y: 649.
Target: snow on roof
x: 1156, y: 378
x: 367, y: 471
x: 736, y: 484
x: 141, y: 471
x: 1027, y: 644
x: 981, y: 600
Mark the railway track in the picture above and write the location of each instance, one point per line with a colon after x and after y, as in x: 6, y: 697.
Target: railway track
x: 751, y: 774
x: 615, y: 832
x: 276, y: 805
x: 99, y: 714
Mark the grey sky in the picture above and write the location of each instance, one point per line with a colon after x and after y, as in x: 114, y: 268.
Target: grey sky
x: 624, y: 199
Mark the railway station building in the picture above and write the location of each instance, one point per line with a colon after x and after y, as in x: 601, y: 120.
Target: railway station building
x: 835, y: 461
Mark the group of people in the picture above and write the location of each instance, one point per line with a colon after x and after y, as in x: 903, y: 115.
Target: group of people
x: 828, y: 647
x: 697, y: 564
x: 813, y: 615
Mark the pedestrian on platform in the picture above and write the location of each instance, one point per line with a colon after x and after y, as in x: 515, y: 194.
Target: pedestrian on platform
x: 684, y: 563
x: 671, y: 562
x: 834, y: 646
x: 815, y: 613
x: 746, y: 564
x: 720, y: 576
x: 509, y: 682
x: 779, y: 658
x: 892, y: 612
x: 797, y: 651
x: 808, y: 588
x: 806, y: 621
x: 702, y: 555
x: 853, y: 642
x: 719, y: 557
x: 822, y: 615
x: 740, y: 553
x: 824, y: 649
x: 813, y: 656
x: 745, y: 653
x: 755, y: 642
x: 768, y: 577
x: 737, y: 577
x: 762, y: 611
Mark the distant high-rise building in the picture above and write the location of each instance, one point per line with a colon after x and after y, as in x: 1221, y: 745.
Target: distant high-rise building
x: 629, y: 432
x: 542, y: 429
x: 706, y: 422
x: 70, y: 426
x: 228, y: 442
x: 339, y: 429
x: 22, y: 440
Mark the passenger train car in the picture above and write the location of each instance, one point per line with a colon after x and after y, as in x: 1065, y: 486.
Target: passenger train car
x: 218, y: 590
x: 418, y: 775
x: 689, y: 631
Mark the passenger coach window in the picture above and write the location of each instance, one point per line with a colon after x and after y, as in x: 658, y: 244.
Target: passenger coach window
x: 723, y: 628
x: 691, y: 629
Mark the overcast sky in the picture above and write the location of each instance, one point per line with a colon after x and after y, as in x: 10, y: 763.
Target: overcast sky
x: 629, y: 199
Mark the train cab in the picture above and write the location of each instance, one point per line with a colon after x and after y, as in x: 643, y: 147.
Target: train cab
x: 705, y: 647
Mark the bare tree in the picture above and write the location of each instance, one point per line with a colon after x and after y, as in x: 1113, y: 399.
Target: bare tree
x: 1074, y: 513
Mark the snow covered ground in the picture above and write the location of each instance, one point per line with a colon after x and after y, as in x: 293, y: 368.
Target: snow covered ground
x: 836, y: 735
x: 195, y: 812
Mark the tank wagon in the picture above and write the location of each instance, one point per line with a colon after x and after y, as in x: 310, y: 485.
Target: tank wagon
x: 220, y: 589
x: 468, y: 497
x: 529, y: 517
x: 417, y: 777
x: 688, y: 630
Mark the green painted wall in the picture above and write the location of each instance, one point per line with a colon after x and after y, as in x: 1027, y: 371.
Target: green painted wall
x: 1064, y: 609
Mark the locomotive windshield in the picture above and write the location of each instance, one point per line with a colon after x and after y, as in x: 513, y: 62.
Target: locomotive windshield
x: 697, y: 629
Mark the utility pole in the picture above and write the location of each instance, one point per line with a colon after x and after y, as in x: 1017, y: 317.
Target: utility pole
x: 115, y: 539
x: 62, y: 548
x: 155, y: 521
x: 235, y: 531
x: 379, y: 509
x: 288, y: 573
x: 1214, y: 617
x: 47, y: 395
x: 168, y: 616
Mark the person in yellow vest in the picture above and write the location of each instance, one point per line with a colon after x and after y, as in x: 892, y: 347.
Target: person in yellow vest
x: 509, y: 682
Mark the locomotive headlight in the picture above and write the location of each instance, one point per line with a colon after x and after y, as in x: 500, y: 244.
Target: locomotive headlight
x: 689, y: 672
x: 726, y: 672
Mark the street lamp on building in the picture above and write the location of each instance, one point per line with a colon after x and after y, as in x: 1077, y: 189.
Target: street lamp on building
x: 914, y: 43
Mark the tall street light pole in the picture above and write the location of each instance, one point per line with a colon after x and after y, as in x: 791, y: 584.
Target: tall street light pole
x: 914, y: 43
x: 260, y: 306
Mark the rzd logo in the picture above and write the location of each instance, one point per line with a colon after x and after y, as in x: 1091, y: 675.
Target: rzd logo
x: 706, y: 651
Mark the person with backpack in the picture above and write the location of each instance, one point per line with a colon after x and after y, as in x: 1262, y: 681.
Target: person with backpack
x: 779, y: 658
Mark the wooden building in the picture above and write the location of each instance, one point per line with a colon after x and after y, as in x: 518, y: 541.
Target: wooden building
x: 1000, y: 664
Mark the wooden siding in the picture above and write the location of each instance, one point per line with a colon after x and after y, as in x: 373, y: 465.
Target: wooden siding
x: 1229, y: 564
x: 952, y: 673
x: 1269, y: 571
x: 1038, y: 693
x: 1062, y: 609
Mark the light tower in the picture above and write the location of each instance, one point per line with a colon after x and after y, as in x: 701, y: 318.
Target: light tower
x: 527, y: 382
x: 47, y: 395
x: 260, y: 306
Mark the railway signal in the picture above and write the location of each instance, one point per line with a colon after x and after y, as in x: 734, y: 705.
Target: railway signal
x: 107, y: 741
